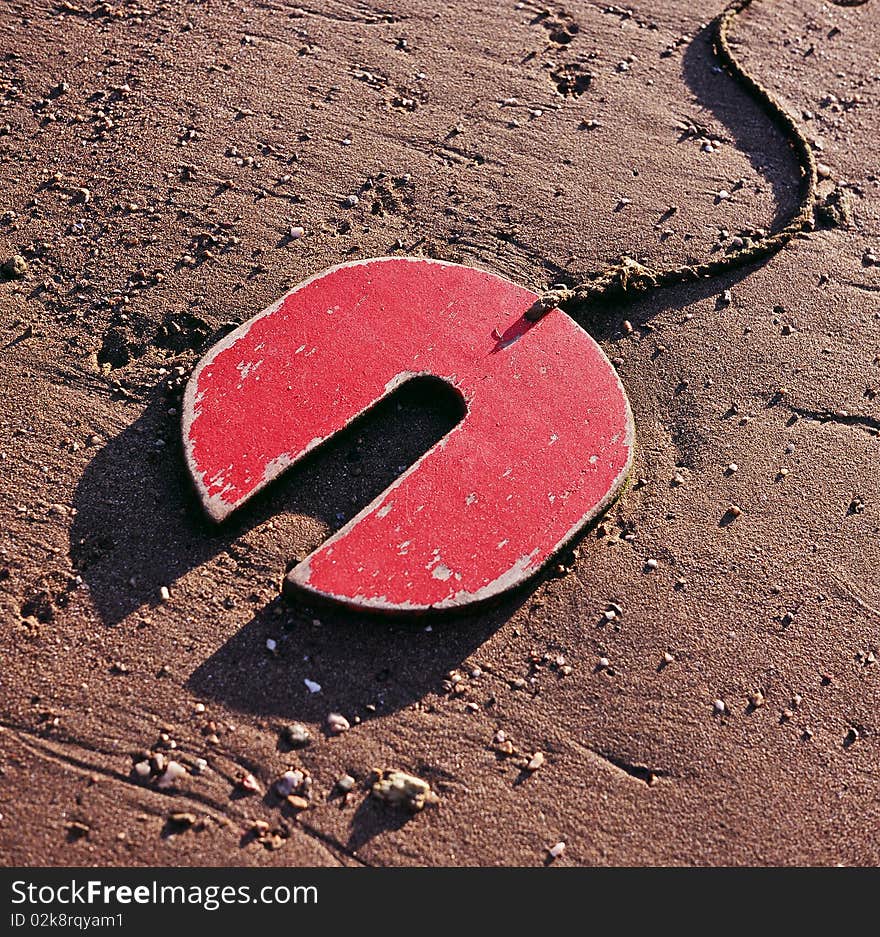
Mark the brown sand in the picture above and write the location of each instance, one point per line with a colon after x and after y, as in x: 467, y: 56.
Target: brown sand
x: 784, y: 601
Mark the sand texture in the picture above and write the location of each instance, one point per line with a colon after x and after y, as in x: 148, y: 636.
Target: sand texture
x: 168, y: 169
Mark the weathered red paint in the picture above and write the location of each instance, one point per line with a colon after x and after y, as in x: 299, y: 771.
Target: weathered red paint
x: 544, y: 446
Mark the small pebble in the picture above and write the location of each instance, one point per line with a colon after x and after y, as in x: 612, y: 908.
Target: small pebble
x: 311, y: 686
x: 142, y: 770
x: 164, y: 593
x: 337, y: 724
x: 720, y: 707
x: 651, y: 564
x: 16, y: 267
x: 171, y: 775
x: 556, y: 851
x: 296, y: 735
x: 756, y: 699
x: 289, y: 782
x: 249, y: 784
x: 182, y: 820
x: 535, y: 762
x: 399, y: 789
x: 345, y: 783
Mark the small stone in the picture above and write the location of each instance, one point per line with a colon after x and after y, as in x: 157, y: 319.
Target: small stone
x: 77, y: 830
x: 651, y: 564
x: 311, y: 686
x: 345, y: 783
x: 756, y: 699
x: 734, y: 510
x: 720, y: 707
x: 295, y: 232
x: 732, y: 467
x: 603, y: 663
x: 271, y: 645
x: 164, y: 593
x: 677, y: 479
x: 823, y: 170
x: 15, y: 268
x: 352, y: 201
x: 181, y: 819
x: 289, y: 782
x: 171, y: 775
x: 142, y: 770
x: 535, y: 762
x: 296, y: 735
x: 667, y: 659
x: 296, y: 802
x: 249, y: 784
x: 337, y: 724
x: 554, y: 852
x: 200, y: 766
x: 852, y: 735
x: 400, y: 789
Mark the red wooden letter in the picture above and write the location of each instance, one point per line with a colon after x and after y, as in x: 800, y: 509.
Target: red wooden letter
x: 545, y: 445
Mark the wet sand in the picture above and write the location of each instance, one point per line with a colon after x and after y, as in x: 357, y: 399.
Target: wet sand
x: 158, y: 161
